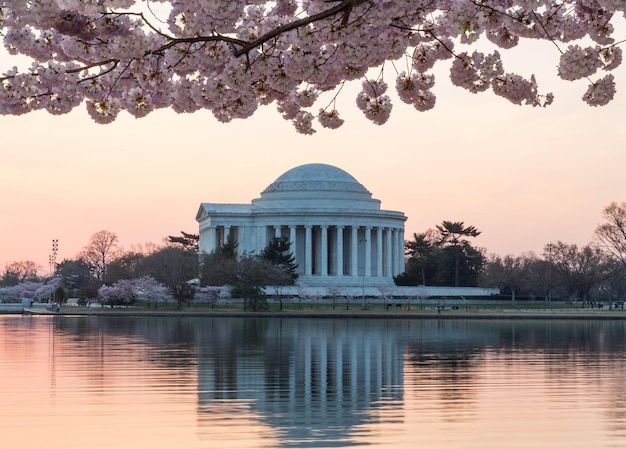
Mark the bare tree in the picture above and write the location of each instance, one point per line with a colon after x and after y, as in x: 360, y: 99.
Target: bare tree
x: 422, y: 294
x: 349, y: 298
x: 335, y: 293
x: 386, y: 292
x: 18, y: 272
x: 303, y: 292
x: 611, y: 234
x: 508, y: 273
x: 278, y: 276
x: 101, y: 249
x: 540, y: 277
x: 579, y: 269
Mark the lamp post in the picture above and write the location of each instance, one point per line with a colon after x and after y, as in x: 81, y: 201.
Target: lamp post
x: 549, y: 247
x: 363, y: 290
x: 52, y: 259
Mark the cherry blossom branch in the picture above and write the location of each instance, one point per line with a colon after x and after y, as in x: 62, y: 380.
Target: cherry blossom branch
x: 144, y: 20
x: 246, y: 46
x: 492, y: 9
x: 550, y: 38
x: 232, y: 57
x: 113, y: 61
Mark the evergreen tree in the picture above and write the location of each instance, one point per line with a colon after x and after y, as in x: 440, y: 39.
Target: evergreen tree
x: 229, y: 248
x: 421, y: 266
x: 187, y: 240
x: 277, y: 253
x: 459, y: 249
x: 443, y: 256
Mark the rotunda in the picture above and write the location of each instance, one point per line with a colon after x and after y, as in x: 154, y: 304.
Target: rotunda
x: 339, y: 235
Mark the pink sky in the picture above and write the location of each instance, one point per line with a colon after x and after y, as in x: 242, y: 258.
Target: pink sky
x: 523, y: 176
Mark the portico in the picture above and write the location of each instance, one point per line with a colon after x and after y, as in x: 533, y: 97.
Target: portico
x: 338, y: 233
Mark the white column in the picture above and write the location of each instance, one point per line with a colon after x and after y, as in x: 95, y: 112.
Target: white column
x: 261, y: 236
x: 389, y: 253
x: 354, y: 254
x: 396, y: 257
x: 308, y: 250
x: 277, y: 232
x: 379, y: 251
x: 324, y: 247
x: 401, y: 267
x: 292, y: 239
x: 212, y: 239
x: 368, y: 251
x: 339, y: 242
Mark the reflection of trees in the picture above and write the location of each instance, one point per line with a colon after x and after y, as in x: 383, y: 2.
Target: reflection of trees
x: 319, y: 381
x: 442, y: 361
x: 615, y: 402
x: 163, y: 343
x: 447, y: 356
x: 222, y: 345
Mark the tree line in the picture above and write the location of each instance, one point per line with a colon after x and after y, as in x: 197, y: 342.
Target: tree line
x: 174, y: 270
x: 591, y: 273
x: 441, y: 256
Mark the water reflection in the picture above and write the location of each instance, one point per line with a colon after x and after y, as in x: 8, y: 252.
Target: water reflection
x: 249, y: 382
x: 309, y: 380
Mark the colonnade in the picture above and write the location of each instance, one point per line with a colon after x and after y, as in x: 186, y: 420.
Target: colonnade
x: 327, y: 250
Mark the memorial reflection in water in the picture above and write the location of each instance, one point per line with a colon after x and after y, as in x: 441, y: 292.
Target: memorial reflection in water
x: 255, y: 382
x: 308, y: 379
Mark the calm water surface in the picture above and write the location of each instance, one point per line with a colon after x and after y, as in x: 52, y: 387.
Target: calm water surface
x: 186, y: 383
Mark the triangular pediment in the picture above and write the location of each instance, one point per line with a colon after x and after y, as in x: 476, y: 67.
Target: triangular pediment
x: 202, y: 212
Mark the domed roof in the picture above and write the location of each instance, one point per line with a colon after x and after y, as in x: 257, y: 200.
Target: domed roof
x: 316, y: 178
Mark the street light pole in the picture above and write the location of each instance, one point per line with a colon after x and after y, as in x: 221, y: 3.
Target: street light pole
x: 52, y: 259
x: 363, y: 291
x: 549, y: 272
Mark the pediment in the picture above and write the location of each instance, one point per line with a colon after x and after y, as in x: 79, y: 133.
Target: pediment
x: 202, y: 212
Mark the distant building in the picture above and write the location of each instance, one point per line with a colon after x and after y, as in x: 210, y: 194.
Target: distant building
x: 339, y: 235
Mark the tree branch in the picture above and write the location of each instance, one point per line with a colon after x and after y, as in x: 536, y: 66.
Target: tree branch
x: 345, y: 6
x: 113, y: 61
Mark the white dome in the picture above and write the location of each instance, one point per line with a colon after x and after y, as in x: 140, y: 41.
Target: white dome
x: 315, y: 177
x: 316, y: 186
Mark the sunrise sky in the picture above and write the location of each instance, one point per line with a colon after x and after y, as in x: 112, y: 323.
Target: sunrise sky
x: 522, y: 176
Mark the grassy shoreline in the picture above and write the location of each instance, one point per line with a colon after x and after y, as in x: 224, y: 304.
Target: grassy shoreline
x: 354, y: 312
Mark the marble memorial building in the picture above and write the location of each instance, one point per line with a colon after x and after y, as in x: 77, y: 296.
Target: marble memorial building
x: 339, y: 235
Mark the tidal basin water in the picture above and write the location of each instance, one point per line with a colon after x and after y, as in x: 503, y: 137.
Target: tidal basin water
x: 201, y: 382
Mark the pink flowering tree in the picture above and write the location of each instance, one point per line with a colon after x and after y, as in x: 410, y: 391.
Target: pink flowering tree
x: 231, y: 57
x: 121, y: 293
x: 127, y: 291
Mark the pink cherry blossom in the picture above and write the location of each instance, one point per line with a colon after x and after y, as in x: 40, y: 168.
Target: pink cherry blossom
x: 600, y: 92
x: 231, y: 57
x: 329, y: 119
x: 578, y: 62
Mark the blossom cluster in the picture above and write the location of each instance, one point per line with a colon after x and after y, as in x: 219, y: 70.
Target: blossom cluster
x: 127, y: 291
x: 231, y: 57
